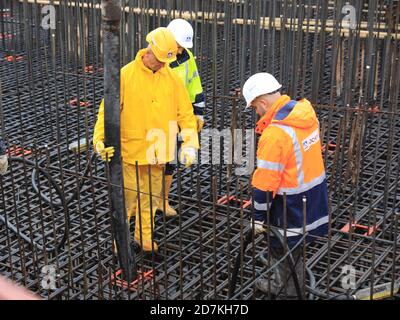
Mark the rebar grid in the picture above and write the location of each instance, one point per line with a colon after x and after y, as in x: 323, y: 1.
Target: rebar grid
x: 52, y: 83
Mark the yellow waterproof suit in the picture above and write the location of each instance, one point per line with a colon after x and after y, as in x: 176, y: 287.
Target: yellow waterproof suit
x: 153, y: 104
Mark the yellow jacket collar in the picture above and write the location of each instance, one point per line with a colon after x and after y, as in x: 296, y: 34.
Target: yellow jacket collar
x: 267, y: 118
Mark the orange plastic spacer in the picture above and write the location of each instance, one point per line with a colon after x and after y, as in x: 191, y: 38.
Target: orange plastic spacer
x: 146, y: 276
x: 369, y: 230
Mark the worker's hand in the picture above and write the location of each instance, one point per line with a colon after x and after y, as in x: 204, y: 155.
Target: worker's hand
x: 187, y: 156
x: 105, y: 153
x: 258, y: 226
x: 200, y: 122
x: 3, y: 164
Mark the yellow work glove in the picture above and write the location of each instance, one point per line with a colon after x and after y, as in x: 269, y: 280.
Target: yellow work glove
x: 103, y: 151
x: 187, y: 156
x: 200, y: 122
x: 3, y: 164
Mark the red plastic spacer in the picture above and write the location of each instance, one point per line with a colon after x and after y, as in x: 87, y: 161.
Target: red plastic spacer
x: 74, y: 103
x: 374, y: 109
x: 225, y: 200
x: 369, y: 230
x: 91, y: 69
x: 331, y: 147
x: 6, y: 36
x: 146, y: 277
x: 18, y: 152
x: 11, y: 58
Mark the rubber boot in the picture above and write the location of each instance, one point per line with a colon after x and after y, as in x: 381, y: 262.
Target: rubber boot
x: 147, y: 247
x: 169, y: 211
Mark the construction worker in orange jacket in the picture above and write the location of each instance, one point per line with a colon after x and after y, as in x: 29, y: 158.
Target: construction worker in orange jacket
x: 290, y: 176
x: 154, y: 103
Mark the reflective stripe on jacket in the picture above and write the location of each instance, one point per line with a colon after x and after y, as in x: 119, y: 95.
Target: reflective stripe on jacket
x: 289, y: 161
x: 185, y: 67
x: 153, y: 104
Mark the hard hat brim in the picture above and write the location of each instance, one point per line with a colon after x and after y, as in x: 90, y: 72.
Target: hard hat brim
x: 163, y: 60
x: 186, y: 45
x: 258, y: 94
x: 166, y: 60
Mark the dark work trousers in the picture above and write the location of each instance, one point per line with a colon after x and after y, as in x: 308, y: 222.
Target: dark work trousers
x: 282, y: 276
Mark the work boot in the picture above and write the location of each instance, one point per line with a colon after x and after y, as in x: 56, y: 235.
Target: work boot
x: 266, y: 286
x: 169, y: 211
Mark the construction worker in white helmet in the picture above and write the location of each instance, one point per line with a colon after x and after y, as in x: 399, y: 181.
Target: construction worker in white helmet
x: 289, y: 184
x: 185, y: 67
x: 154, y: 103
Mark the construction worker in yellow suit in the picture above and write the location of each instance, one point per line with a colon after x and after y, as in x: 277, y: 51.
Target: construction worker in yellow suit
x: 186, y: 68
x: 154, y: 103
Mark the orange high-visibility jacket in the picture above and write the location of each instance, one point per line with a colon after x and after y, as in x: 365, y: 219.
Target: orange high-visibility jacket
x: 153, y: 105
x: 289, y: 161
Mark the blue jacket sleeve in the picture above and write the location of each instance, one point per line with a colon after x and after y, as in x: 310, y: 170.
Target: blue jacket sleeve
x: 262, y: 201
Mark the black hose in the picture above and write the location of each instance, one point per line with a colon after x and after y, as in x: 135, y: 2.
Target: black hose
x: 341, y: 296
x: 290, y: 262
x: 232, y: 285
x: 71, y: 197
x: 63, y: 202
x: 311, y: 289
x: 312, y: 283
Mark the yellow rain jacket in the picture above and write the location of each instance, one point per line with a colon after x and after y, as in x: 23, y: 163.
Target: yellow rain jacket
x: 153, y: 104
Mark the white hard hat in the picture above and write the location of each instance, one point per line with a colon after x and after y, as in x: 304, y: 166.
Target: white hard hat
x: 259, y: 84
x: 182, y: 31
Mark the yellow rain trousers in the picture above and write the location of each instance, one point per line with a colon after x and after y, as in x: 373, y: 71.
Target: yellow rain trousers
x: 144, y: 217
